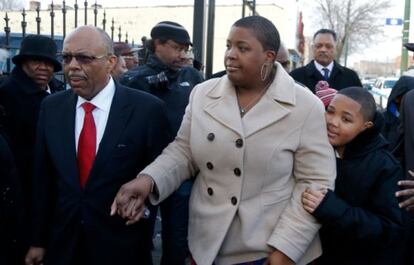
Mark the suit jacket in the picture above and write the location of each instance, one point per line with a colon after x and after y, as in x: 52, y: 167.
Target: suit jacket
x: 136, y: 132
x: 340, y: 77
x: 246, y: 199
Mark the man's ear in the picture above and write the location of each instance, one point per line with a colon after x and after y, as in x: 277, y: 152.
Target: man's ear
x: 368, y: 124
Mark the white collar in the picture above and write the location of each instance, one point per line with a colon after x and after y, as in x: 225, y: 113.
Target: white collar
x: 320, y: 66
x: 103, y: 99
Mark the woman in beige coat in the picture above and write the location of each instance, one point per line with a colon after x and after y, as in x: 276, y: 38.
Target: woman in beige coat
x: 255, y: 140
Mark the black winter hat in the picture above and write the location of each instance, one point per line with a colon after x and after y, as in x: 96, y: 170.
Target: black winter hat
x: 38, y: 47
x: 168, y: 30
x: 409, y: 46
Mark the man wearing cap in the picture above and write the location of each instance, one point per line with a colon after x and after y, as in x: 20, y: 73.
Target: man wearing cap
x: 21, y: 93
x: 323, y: 66
x: 165, y: 76
x: 128, y: 53
x: 120, y: 67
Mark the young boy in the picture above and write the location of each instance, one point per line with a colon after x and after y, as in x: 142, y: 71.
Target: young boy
x: 361, y: 220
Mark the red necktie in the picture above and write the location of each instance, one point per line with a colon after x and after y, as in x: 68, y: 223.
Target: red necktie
x: 86, y: 144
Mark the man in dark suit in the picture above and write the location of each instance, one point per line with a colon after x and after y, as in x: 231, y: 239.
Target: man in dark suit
x: 324, y: 66
x: 21, y: 93
x: 90, y: 140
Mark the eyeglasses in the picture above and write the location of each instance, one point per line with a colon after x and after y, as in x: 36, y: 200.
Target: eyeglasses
x: 80, y: 58
x: 177, y: 48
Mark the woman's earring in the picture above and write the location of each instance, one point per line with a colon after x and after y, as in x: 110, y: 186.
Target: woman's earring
x: 264, y: 71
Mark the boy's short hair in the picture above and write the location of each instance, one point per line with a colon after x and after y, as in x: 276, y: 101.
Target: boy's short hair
x: 364, y: 98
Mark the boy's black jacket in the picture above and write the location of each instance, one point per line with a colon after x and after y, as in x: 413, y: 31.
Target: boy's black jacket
x: 361, y: 220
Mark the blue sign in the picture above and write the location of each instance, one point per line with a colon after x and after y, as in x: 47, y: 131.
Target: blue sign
x: 393, y: 21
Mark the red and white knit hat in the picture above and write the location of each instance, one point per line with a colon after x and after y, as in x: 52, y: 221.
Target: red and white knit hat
x: 324, y: 92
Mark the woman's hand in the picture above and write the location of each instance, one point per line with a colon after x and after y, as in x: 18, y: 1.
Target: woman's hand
x: 278, y: 258
x: 129, y: 202
x: 312, y: 198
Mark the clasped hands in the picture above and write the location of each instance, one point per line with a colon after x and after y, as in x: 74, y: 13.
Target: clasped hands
x: 129, y: 202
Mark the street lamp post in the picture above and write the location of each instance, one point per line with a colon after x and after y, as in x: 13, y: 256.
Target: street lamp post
x: 406, y: 32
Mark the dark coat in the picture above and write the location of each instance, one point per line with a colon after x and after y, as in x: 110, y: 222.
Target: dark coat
x: 361, y: 220
x: 404, y: 150
x: 341, y: 77
x: 406, y: 131
x: 10, y: 204
x: 391, y: 113
x: 172, y: 87
x: 66, y: 215
x: 21, y: 99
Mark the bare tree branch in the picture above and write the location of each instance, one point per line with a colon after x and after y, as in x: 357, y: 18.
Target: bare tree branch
x: 357, y: 23
x: 7, y: 5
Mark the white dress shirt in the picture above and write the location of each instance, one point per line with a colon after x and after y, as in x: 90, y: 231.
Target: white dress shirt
x: 102, y: 102
x: 320, y: 67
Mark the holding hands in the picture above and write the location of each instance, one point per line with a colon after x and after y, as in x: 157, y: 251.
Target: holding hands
x: 408, y: 190
x: 129, y: 202
x: 312, y: 198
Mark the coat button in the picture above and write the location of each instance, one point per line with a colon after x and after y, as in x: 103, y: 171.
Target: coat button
x: 237, y: 171
x: 210, y: 165
x: 210, y: 191
x: 210, y: 136
x: 233, y: 200
x: 239, y: 143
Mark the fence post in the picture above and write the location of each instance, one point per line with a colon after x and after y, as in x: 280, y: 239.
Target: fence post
x: 112, y: 29
x: 76, y: 13
x: 119, y: 34
x: 95, y: 12
x: 24, y: 23
x: 86, y: 12
x: 104, y: 20
x: 52, y: 20
x: 38, y: 19
x: 64, y: 18
x: 7, y: 31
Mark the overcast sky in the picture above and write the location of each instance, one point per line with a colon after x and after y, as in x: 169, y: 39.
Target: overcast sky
x: 384, y: 50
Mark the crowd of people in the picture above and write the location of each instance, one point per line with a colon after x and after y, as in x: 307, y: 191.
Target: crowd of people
x: 254, y: 166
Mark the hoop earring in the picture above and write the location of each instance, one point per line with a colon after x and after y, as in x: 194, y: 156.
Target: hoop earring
x: 264, y: 73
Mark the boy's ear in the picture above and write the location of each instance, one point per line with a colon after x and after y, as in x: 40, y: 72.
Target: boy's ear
x: 368, y: 124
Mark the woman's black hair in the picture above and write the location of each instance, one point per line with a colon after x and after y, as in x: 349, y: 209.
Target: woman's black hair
x: 265, y: 31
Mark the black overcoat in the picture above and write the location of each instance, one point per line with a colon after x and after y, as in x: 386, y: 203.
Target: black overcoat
x: 341, y: 77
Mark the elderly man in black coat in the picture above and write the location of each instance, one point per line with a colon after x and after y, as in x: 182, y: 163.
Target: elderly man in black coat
x: 20, y: 95
x: 324, y: 66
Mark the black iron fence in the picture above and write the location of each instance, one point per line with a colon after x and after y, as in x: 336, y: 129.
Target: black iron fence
x: 10, y: 42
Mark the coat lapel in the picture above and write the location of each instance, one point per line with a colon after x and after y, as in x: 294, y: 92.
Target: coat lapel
x: 275, y: 104
x: 223, y: 106
x: 119, y: 115
x: 66, y: 140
